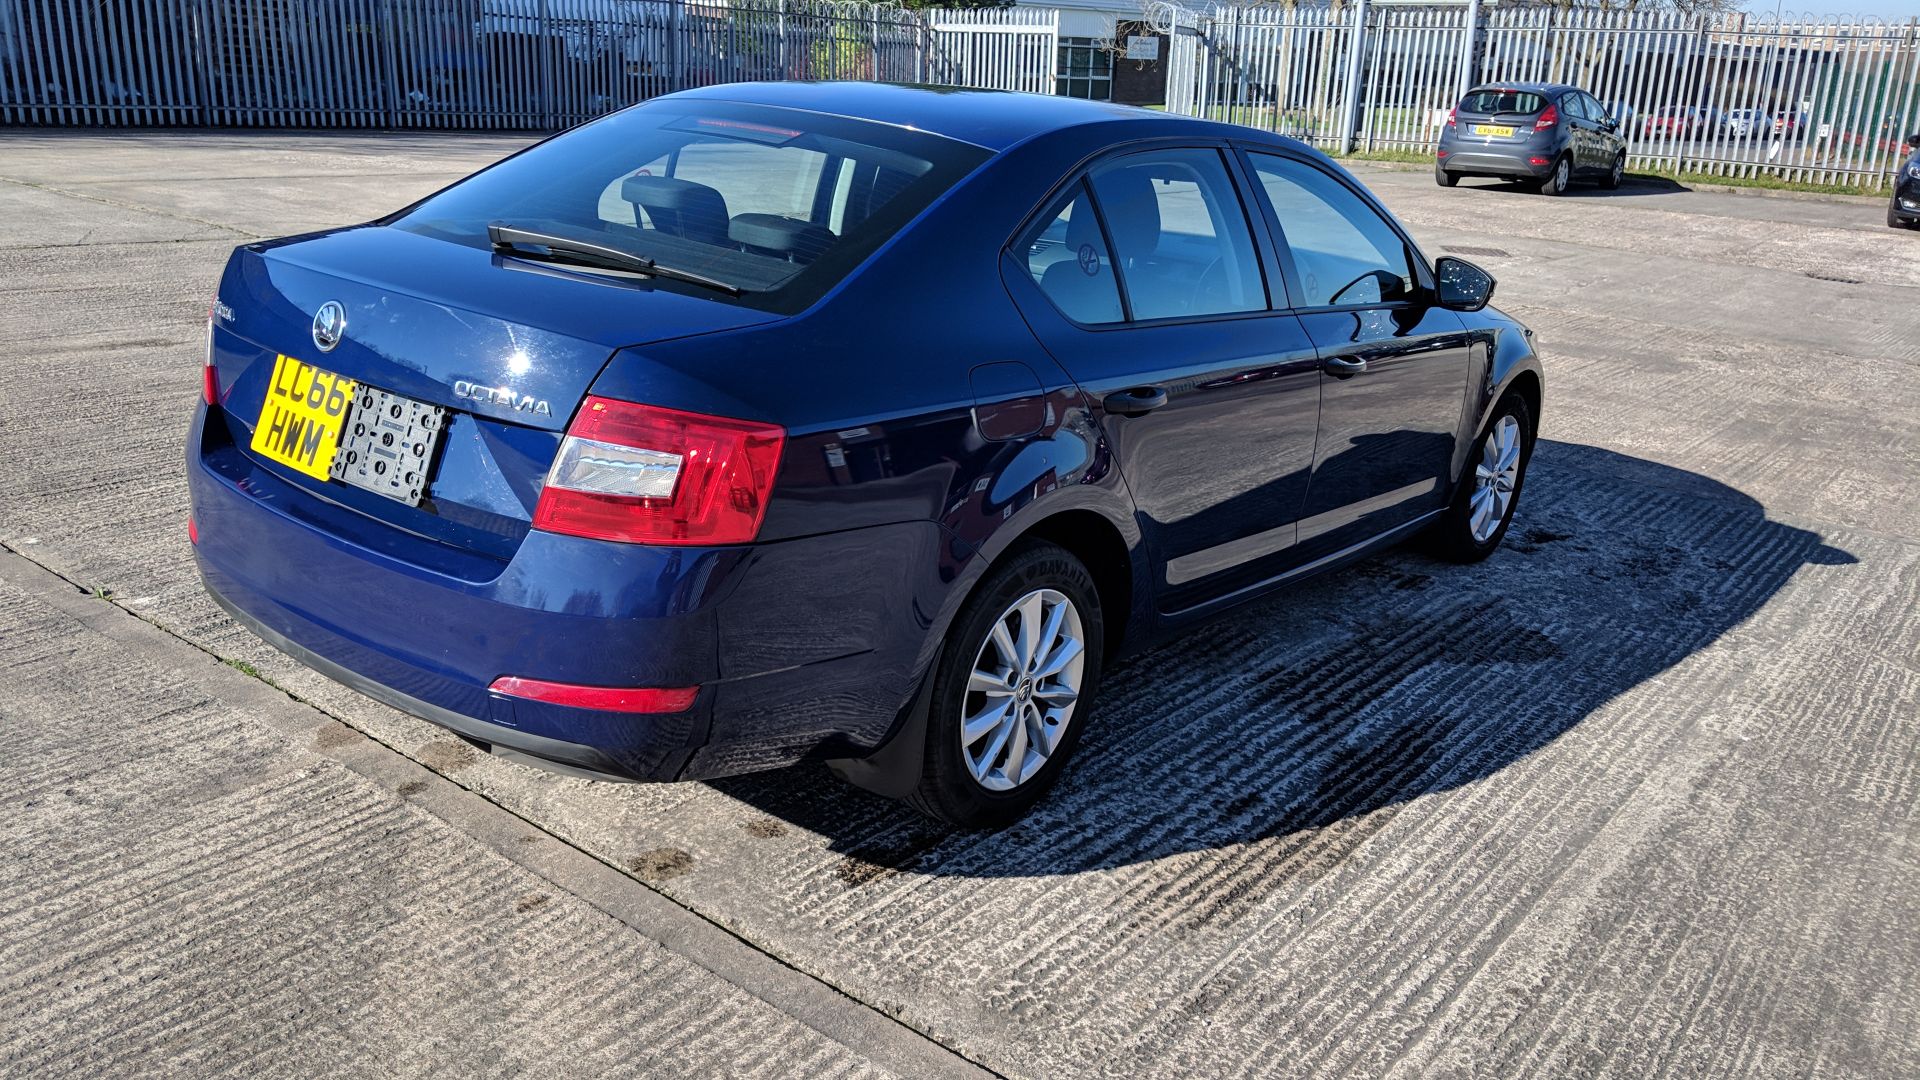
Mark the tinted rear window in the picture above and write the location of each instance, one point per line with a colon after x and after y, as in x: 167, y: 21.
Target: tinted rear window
x: 782, y: 204
x: 1502, y: 101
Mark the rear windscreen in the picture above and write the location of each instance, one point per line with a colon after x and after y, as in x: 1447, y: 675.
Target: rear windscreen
x: 777, y: 203
x: 1502, y: 101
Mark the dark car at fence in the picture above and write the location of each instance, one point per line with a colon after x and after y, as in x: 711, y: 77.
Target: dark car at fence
x: 1544, y: 134
x: 845, y: 422
x: 1903, y: 209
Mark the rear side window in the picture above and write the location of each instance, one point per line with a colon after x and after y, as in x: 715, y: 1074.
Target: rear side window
x: 1069, y: 259
x: 1345, y: 253
x: 1180, y: 234
x: 778, y: 203
x: 1502, y: 101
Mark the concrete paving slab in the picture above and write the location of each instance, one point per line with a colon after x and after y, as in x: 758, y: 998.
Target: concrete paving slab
x: 1635, y: 797
x: 207, y: 877
x: 41, y: 221
x: 188, y: 892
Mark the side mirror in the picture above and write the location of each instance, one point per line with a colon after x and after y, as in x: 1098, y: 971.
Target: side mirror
x: 1914, y: 140
x: 1608, y: 123
x: 1461, y: 286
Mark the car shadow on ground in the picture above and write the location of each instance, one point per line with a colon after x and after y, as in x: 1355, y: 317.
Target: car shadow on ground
x: 1633, y: 184
x: 1367, y: 687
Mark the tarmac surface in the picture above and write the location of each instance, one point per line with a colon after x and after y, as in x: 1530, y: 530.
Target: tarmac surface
x: 1635, y: 797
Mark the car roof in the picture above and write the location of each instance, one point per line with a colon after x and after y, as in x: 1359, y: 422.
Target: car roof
x: 994, y: 119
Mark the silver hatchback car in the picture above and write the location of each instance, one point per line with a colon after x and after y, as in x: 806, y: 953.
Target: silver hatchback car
x: 1545, y: 134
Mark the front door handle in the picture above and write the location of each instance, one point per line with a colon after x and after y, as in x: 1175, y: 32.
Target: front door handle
x: 1136, y: 401
x: 1344, y: 367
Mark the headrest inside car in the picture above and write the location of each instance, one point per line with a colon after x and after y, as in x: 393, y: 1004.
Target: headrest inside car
x: 784, y: 237
x: 679, y: 207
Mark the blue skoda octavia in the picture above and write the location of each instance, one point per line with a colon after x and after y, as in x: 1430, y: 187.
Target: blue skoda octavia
x: 844, y: 422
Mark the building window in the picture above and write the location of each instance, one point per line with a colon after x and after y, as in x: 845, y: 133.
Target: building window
x: 1085, y: 69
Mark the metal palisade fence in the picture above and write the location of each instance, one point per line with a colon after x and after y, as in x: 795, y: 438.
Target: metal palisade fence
x: 538, y: 64
x: 1823, y: 100
x: 1003, y: 49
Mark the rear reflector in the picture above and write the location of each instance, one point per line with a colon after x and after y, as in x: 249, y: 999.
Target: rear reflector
x: 193, y: 532
x: 1536, y: 161
x: 642, y: 474
x: 629, y: 699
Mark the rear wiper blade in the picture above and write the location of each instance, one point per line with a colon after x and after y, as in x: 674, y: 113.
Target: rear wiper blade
x: 546, y: 247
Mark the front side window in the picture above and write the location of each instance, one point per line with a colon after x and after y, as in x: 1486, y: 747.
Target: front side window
x: 1069, y: 259
x: 781, y: 205
x: 1180, y: 234
x: 1345, y: 253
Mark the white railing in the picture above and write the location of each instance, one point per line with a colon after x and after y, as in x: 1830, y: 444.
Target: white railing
x: 1827, y: 100
x: 1823, y: 100
x: 998, y: 49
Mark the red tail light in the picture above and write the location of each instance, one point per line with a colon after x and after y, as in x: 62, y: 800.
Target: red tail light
x: 1548, y: 117
x: 1453, y: 116
x: 209, y: 378
x: 633, y: 699
x: 642, y: 474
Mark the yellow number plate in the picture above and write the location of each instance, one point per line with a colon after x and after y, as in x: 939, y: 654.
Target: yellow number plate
x: 300, y: 420
x: 1492, y: 129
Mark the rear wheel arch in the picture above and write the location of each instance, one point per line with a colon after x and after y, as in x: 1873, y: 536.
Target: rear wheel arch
x: 1088, y: 534
x: 1550, y: 184
x: 1089, y: 537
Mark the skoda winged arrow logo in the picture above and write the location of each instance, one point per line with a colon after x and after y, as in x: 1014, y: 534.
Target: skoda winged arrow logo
x: 329, y: 325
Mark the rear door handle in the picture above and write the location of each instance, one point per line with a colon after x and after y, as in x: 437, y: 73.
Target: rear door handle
x: 1344, y: 367
x: 1135, y: 401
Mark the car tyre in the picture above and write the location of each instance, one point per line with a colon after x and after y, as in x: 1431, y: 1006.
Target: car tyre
x: 1895, y: 221
x: 1619, y: 170
x: 1560, y: 179
x: 1490, y: 485
x: 974, y: 782
x: 1444, y: 178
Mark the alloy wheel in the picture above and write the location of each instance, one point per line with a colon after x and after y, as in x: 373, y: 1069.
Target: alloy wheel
x: 1562, y: 173
x: 1494, y: 479
x: 1023, y: 689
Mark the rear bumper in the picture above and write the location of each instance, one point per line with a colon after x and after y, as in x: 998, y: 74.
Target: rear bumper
x: 573, y: 759
x: 1501, y: 162
x: 801, y: 648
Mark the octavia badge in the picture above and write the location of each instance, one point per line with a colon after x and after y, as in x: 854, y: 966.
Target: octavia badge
x: 329, y: 325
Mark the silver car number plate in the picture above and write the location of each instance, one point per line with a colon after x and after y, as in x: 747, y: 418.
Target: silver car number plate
x: 388, y: 444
